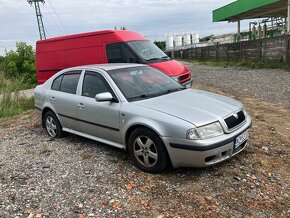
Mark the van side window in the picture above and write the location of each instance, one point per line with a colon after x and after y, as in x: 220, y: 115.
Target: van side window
x: 94, y: 84
x: 69, y: 82
x: 120, y: 53
x: 56, y: 83
x: 114, y: 53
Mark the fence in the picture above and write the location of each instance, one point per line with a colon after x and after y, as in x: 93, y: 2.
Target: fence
x: 267, y: 50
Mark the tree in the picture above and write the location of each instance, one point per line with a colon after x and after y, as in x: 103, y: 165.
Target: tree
x: 1, y: 59
x: 160, y: 44
x: 20, y: 63
x: 206, y: 38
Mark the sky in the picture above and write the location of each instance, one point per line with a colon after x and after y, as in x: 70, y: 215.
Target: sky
x: 153, y: 18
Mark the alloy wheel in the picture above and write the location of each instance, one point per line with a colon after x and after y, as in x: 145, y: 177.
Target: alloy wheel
x: 51, y: 126
x: 145, y: 151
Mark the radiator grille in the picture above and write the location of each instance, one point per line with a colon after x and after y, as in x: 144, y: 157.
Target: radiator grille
x: 233, y: 121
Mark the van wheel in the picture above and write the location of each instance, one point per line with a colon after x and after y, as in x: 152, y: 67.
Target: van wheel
x: 52, y: 125
x: 147, y: 151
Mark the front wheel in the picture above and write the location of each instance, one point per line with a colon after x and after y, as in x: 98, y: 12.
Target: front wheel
x: 147, y: 151
x: 52, y: 125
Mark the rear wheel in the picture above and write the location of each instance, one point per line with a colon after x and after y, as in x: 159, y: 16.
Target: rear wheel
x: 147, y: 151
x: 52, y: 125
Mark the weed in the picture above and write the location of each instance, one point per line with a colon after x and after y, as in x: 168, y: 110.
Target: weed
x: 12, y: 102
x: 46, y: 150
x: 28, y: 150
x: 86, y: 155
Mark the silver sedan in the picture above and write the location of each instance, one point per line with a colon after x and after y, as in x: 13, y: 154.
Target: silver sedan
x: 143, y: 111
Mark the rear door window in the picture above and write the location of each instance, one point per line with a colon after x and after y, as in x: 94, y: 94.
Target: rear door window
x: 120, y: 53
x: 69, y: 82
x: 56, y: 83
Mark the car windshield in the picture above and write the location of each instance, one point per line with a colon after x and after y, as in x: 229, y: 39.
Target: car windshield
x: 148, y: 50
x: 137, y: 83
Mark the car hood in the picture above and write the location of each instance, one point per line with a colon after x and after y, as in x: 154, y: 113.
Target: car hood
x: 171, y: 68
x: 194, y: 106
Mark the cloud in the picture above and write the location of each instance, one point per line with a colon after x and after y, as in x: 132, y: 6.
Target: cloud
x: 153, y: 18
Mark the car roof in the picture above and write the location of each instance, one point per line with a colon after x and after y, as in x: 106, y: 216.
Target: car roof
x: 106, y: 67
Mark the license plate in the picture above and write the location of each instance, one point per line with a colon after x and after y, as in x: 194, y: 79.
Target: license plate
x: 241, y: 139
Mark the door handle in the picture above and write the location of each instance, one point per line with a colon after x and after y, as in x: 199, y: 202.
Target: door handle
x: 81, y: 106
x: 52, y: 99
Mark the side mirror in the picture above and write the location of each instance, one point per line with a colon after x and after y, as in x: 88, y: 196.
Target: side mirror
x: 105, y: 96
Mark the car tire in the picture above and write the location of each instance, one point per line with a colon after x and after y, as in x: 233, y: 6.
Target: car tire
x: 147, y: 151
x: 52, y: 125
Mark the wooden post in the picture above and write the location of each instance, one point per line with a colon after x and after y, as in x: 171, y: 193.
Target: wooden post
x: 172, y: 54
x: 260, y: 49
x: 288, y: 19
x: 227, y: 54
x: 240, y: 52
x: 216, y: 52
x: 287, y: 38
x: 207, y: 53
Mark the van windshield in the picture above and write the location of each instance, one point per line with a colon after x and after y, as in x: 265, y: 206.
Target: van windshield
x: 148, y: 50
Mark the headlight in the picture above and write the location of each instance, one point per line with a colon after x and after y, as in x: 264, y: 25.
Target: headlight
x: 176, y: 78
x: 245, y: 112
x: 205, y: 132
x: 192, y: 134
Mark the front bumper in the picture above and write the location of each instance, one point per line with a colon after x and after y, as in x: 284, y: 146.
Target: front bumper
x: 203, y: 153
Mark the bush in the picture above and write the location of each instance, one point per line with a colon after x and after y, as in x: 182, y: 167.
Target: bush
x: 20, y: 64
x: 17, y: 72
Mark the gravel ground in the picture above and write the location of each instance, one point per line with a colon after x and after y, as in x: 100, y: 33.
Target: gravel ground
x: 265, y: 84
x: 77, y: 177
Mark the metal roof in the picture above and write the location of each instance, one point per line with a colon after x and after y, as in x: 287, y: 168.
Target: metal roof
x: 251, y: 9
x: 123, y: 35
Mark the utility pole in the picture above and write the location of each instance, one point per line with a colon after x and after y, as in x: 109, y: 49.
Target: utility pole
x: 38, y: 17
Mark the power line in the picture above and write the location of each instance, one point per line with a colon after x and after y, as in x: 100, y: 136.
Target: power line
x: 58, y: 18
x: 46, y: 29
x: 52, y: 21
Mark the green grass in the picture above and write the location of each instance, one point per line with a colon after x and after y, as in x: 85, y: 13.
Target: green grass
x: 12, y: 102
x: 249, y: 64
x: 13, y: 84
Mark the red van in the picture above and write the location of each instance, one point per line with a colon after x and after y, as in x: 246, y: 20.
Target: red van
x: 107, y: 46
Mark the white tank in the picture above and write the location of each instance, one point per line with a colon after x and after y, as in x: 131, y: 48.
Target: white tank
x: 187, y: 39
x: 195, y: 38
x: 169, y: 43
x: 178, y: 41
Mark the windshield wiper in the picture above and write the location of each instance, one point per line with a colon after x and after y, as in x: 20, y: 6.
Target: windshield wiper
x: 153, y: 59
x: 174, y: 90
x: 143, y: 96
x: 171, y: 90
x: 160, y: 58
x: 166, y: 57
